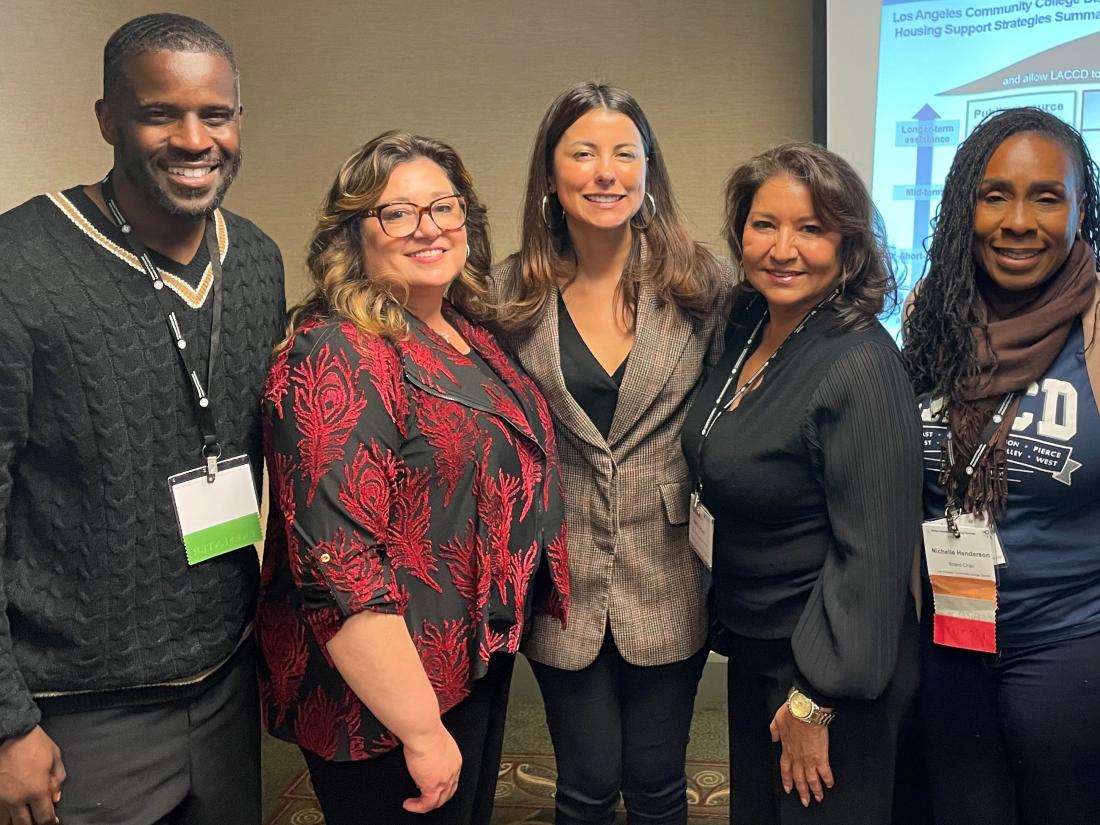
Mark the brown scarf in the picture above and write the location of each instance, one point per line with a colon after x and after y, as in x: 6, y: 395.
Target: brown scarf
x: 1026, y: 332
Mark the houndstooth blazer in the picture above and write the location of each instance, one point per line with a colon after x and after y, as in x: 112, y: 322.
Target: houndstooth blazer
x: 626, y: 497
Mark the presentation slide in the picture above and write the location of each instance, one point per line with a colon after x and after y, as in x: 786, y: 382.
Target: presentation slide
x: 945, y: 65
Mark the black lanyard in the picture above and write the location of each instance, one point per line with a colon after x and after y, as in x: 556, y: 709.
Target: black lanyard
x: 965, y: 473
x: 211, y: 446
x: 721, y: 407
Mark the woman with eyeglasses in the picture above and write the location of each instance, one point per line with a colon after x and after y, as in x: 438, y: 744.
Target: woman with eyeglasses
x: 416, y: 521
x: 615, y: 311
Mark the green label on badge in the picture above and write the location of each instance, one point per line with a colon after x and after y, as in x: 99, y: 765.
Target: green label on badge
x: 219, y: 539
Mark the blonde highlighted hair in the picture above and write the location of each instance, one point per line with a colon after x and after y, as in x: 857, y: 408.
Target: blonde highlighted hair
x: 340, y: 283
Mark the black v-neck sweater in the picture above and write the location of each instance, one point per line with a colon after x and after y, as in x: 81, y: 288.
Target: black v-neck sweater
x: 99, y: 606
x: 814, y: 483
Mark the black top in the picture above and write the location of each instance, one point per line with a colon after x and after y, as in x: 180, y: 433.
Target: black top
x: 592, y: 388
x: 95, y: 414
x: 814, y: 483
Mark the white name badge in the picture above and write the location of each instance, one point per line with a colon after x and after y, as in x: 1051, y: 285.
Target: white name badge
x: 701, y: 531
x: 220, y: 516
x: 974, y: 553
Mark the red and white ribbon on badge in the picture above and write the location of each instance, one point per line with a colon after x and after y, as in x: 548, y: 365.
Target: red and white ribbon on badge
x: 962, y: 565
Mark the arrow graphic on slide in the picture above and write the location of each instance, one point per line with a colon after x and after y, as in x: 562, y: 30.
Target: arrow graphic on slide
x: 922, y: 205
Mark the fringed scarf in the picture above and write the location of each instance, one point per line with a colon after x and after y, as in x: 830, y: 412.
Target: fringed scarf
x: 1027, y: 330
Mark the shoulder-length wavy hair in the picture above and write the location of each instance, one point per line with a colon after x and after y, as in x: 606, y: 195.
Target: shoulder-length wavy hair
x: 842, y: 204
x: 679, y: 270
x: 940, y: 349
x: 341, y: 285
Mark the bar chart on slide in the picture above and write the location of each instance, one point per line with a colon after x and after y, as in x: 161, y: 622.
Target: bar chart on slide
x: 944, y: 66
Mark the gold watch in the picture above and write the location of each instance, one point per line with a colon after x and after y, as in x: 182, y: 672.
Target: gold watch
x: 805, y: 709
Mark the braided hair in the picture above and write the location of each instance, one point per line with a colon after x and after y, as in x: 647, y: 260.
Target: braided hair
x: 940, y: 351
x: 158, y: 32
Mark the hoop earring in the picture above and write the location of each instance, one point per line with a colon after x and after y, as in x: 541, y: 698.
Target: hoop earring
x: 652, y: 216
x: 544, y: 212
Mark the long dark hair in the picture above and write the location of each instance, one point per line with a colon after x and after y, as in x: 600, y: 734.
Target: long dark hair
x: 940, y: 350
x: 842, y: 203
x: 679, y: 270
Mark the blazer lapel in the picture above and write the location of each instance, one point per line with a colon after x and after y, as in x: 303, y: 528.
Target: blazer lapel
x: 661, y: 335
x: 540, y: 355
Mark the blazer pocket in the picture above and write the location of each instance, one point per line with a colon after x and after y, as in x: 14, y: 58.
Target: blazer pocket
x: 677, y: 497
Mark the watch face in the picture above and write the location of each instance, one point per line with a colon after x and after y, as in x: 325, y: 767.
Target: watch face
x: 800, y: 706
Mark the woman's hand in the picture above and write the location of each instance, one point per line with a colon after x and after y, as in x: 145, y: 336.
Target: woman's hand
x: 804, y: 762
x: 377, y: 658
x: 433, y: 763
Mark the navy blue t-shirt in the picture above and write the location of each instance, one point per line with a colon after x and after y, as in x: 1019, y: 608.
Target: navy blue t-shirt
x: 1050, y: 588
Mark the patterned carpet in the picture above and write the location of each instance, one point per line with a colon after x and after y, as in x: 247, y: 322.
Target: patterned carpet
x: 525, y: 794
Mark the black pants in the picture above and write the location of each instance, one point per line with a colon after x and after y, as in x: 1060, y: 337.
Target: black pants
x: 617, y: 727
x: 863, y: 740
x: 1013, y: 738
x: 371, y: 792
x: 189, y: 762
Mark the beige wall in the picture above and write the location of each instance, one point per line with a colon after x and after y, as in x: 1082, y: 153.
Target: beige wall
x: 719, y: 79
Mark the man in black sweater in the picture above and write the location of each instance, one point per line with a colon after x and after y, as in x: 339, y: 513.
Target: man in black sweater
x: 136, y: 322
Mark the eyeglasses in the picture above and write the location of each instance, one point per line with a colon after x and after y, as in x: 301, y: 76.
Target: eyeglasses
x: 399, y: 220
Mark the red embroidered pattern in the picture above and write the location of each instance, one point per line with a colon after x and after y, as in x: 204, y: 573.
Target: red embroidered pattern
x: 486, y: 344
x: 493, y: 642
x: 379, y: 360
x: 506, y: 406
x: 407, y: 542
x: 470, y: 570
x: 282, y: 639
x: 325, y: 622
x: 557, y: 554
x: 446, y: 660
x: 317, y: 727
x: 385, y: 741
x: 353, y: 723
x: 277, y: 382
x: 521, y: 572
x: 495, y: 502
x: 449, y: 429
x: 530, y: 466
x: 327, y: 405
x: 368, y: 488
x: 426, y: 359
x: 351, y: 568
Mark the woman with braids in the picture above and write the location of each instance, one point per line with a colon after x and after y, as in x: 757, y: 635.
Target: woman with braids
x: 614, y: 310
x: 1004, y: 322
x: 416, y: 516
x: 807, y: 482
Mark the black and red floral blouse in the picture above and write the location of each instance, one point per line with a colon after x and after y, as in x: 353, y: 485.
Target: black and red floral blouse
x: 406, y: 478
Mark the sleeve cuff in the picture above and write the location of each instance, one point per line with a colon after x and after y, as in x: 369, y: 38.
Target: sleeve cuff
x: 803, y: 686
x: 17, y: 721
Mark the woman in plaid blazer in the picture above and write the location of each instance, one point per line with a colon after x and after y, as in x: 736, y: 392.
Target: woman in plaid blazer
x: 614, y: 311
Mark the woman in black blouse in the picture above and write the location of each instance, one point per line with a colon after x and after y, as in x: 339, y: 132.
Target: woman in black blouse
x: 416, y: 515
x: 802, y: 445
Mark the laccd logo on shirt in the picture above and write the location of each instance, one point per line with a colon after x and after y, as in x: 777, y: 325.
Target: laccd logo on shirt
x: 1039, y: 441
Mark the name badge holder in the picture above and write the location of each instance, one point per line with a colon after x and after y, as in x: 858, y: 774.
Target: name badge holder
x: 229, y: 494
x: 962, y: 551
x: 700, y: 519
